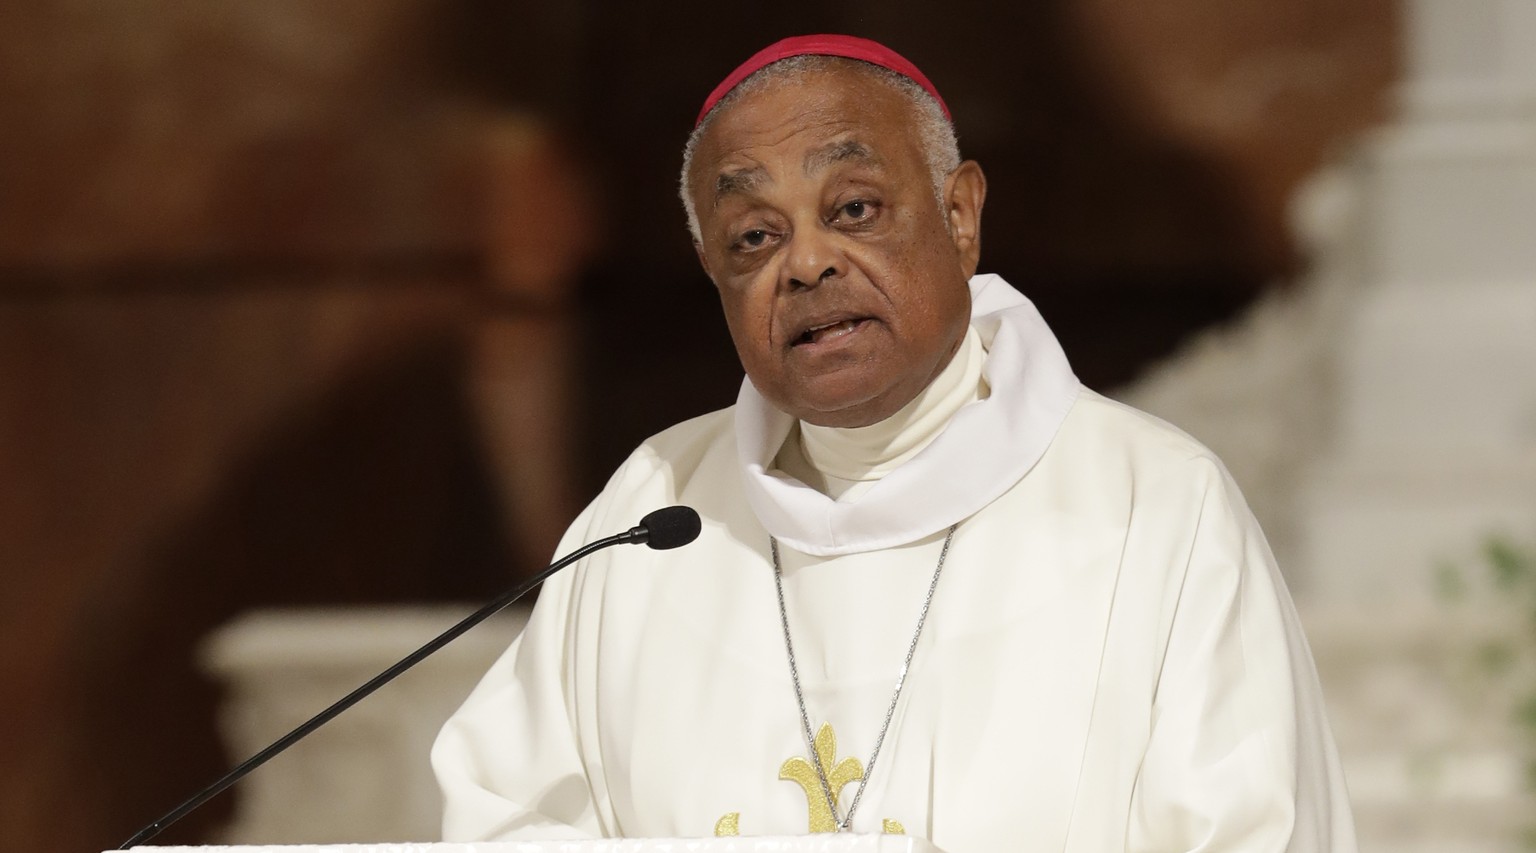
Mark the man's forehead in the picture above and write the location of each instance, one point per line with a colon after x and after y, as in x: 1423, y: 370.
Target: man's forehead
x: 748, y: 176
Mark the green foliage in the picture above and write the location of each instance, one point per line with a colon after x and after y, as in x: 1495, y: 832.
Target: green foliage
x: 1450, y: 583
x: 1497, y: 658
x: 1512, y: 566
x: 1511, y: 578
x: 1525, y: 712
x: 1514, y: 572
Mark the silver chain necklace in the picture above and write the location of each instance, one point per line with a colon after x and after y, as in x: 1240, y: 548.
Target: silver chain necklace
x: 844, y: 823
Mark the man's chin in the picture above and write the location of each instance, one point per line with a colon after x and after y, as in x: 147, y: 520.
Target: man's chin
x: 846, y: 412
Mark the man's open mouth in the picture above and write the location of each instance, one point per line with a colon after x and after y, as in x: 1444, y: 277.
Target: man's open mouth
x: 829, y: 331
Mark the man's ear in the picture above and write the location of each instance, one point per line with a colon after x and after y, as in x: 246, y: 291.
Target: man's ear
x: 965, y: 191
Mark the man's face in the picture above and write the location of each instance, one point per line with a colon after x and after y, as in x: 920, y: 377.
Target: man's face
x: 844, y: 290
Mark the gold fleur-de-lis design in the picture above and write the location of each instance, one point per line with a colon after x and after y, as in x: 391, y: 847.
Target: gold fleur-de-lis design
x: 803, y: 773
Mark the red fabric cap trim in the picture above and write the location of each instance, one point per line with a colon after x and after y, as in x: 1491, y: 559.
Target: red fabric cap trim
x: 849, y: 47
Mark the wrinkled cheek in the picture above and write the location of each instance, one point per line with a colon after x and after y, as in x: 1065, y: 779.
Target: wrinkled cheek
x: 753, y: 349
x: 748, y: 305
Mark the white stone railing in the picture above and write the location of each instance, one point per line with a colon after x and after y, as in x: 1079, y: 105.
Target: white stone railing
x: 365, y: 776
x: 1434, y: 760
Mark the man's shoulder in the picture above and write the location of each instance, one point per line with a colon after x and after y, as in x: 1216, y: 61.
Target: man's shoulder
x: 1129, y: 464
x: 1110, y: 429
x: 660, y: 471
x: 690, y: 438
x: 680, y: 450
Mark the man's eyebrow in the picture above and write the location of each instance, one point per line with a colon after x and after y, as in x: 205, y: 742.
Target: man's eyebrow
x: 739, y: 181
x: 837, y: 152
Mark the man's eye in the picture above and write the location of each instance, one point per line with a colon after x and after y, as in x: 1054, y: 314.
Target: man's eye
x: 752, y: 239
x: 856, y: 211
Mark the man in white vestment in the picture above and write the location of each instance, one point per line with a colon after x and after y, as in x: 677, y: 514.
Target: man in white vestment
x: 941, y: 589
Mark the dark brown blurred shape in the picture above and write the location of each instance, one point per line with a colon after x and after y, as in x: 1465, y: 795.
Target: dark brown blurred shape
x: 290, y: 290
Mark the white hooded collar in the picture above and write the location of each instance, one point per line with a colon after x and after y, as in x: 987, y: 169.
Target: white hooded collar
x: 987, y: 447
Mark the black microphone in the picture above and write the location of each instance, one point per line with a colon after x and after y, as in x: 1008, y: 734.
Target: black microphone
x: 663, y: 529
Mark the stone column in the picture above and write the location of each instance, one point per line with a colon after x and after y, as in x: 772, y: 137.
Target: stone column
x: 1433, y: 444
x: 1428, y: 281
x: 1470, y: 59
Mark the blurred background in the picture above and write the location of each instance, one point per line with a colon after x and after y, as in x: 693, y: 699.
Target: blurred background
x: 354, y: 304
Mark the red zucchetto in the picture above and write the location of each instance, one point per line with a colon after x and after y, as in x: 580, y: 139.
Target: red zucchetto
x: 848, y: 47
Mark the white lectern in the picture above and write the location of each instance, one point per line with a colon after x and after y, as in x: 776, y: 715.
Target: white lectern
x: 828, y: 843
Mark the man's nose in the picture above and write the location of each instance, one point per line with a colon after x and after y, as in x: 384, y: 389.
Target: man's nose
x: 812, y: 258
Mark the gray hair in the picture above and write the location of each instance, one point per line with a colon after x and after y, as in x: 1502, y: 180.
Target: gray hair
x: 936, y: 134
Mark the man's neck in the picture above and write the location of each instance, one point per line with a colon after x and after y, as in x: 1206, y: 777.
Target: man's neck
x: 843, y: 462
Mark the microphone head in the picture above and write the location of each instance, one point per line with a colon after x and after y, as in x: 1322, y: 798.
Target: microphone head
x: 671, y: 527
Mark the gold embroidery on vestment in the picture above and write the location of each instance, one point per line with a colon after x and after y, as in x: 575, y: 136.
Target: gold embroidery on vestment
x: 803, y: 773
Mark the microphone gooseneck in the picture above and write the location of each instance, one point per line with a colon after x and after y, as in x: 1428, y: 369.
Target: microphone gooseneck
x: 662, y: 529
